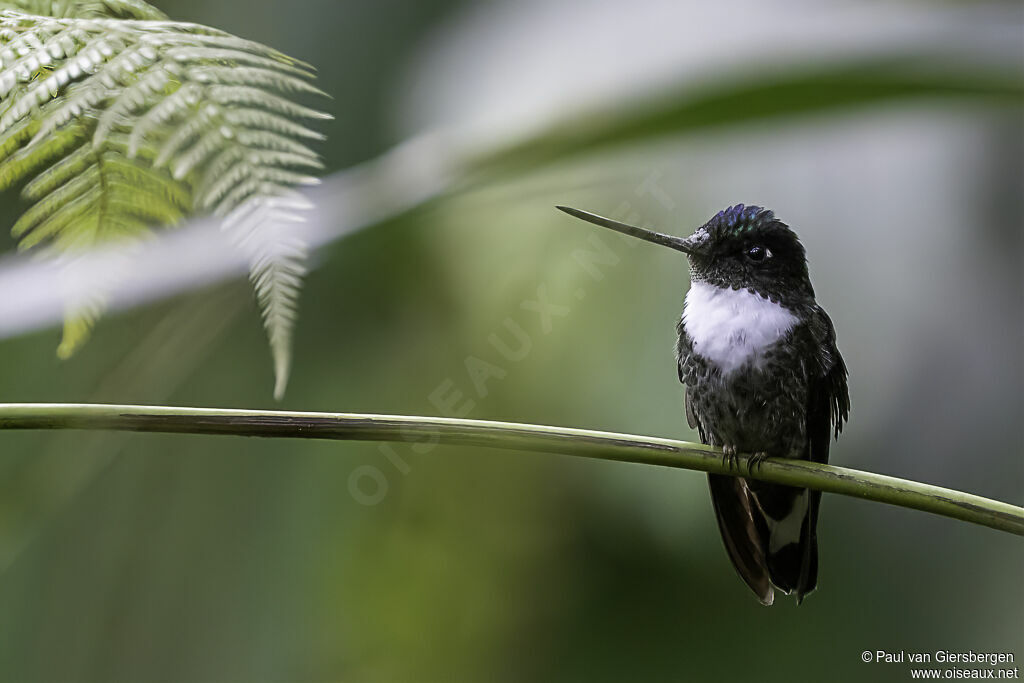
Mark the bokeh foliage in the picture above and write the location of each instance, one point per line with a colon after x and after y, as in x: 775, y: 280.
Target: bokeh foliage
x: 173, y: 558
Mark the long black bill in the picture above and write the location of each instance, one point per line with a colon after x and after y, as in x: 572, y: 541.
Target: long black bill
x: 670, y: 241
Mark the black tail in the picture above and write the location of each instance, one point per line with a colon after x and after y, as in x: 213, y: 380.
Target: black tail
x: 769, y: 533
x: 738, y: 522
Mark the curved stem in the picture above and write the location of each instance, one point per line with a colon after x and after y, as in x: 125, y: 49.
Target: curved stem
x: 507, y: 435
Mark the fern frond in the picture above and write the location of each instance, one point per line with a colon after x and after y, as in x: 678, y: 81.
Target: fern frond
x: 115, y: 9
x: 62, y: 171
x: 27, y: 159
x: 154, y: 123
x: 276, y: 268
x: 211, y: 141
x: 13, y: 140
x: 185, y: 132
x: 77, y: 328
x: 135, y: 97
x: 252, y: 76
x: 259, y: 119
x: 230, y: 95
x: 271, y: 141
x: 128, y: 120
x: 111, y: 197
x: 235, y: 57
x: 241, y: 182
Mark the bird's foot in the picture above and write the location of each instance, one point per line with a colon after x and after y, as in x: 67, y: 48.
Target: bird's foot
x: 730, y: 456
x: 755, y: 460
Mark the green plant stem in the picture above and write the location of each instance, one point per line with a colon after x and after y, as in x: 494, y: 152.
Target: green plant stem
x: 512, y: 436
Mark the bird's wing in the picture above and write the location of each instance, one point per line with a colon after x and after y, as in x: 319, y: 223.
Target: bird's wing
x: 691, y: 417
x: 828, y: 398
x: 684, y: 369
x: 828, y: 407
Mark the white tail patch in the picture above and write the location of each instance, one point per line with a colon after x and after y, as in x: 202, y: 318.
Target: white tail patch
x: 784, y: 531
x: 731, y: 327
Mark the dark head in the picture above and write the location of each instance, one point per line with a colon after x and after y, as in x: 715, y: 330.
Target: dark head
x: 742, y: 247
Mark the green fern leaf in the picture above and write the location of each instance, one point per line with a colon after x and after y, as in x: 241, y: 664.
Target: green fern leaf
x: 118, y: 120
x: 114, y: 9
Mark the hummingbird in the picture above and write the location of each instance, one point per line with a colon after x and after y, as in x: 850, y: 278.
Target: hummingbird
x: 763, y: 376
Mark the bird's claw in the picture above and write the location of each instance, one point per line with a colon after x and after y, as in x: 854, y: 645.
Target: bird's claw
x: 755, y: 461
x: 730, y: 456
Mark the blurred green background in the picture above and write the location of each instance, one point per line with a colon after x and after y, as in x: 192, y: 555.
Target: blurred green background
x: 180, y: 558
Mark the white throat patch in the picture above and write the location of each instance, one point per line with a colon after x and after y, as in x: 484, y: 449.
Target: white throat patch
x: 729, y: 327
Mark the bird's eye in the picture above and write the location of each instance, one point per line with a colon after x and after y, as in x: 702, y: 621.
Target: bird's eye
x: 757, y: 254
